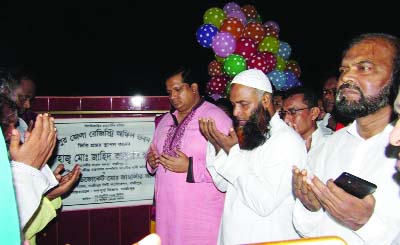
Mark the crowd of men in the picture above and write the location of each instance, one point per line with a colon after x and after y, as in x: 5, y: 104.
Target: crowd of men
x: 38, y: 190
x: 276, y: 166
x: 264, y: 201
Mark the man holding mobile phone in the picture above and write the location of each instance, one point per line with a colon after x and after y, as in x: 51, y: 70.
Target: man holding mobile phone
x: 368, y: 70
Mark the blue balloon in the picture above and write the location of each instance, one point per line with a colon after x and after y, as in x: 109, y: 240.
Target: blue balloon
x: 284, y: 50
x: 277, y: 78
x: 205, y: 34
x: 291, y: 80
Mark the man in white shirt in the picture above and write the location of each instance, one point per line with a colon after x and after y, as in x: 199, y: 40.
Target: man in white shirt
x: 328, y: 102
x: 300, y: 111
x: 253, y: 169
x: 369, y: 68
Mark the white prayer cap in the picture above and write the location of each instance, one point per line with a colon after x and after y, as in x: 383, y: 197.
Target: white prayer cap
x: 253, y: 78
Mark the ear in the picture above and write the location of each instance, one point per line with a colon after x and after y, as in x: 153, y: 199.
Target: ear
x: 267, y: 100
x: 314, y: 113
x: 195, y: 88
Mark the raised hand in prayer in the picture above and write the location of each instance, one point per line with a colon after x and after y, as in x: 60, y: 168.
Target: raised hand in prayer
x: 38, y: 145
x: 303, y: 191
x: 153, y: 157
x: 347, y: 209
x: 216, y: 137
x: 65, y: 183
x: 178, y: 164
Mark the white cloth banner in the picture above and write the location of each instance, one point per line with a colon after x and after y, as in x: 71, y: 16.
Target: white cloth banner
x: 111, y: 153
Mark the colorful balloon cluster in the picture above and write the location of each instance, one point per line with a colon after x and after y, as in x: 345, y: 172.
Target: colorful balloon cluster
x: 241, y: 41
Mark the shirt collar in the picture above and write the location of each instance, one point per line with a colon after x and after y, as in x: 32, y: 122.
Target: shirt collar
x: 352, y: 130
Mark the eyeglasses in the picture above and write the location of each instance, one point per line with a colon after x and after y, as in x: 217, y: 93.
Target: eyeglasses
x: 292, y: 112
x: 24, y: 98
x: 331, y: 91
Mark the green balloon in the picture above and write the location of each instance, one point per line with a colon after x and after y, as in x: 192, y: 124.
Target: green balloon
x: 280, y: 63
x: 234, y: 64
x: 214, y: 16
x: 269, y: 44
x: 219, y: 59
x: 259, y: 18
x: 228, y: 89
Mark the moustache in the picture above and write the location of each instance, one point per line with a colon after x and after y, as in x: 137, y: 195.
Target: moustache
x: 340, y: 97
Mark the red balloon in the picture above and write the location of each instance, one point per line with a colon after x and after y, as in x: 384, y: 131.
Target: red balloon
x: 215, y: 69
x: 271, y: 61
x: 246, y: 47
x: 233, y: 26
x: 265, y: 62
x: 271, y: 32
x: 294, y: 67
x: 254, y: 31
x: 217, y: 85
x: 249, y: 11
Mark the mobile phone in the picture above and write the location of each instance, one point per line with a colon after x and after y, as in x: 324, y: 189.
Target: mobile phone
x: 355, y: 185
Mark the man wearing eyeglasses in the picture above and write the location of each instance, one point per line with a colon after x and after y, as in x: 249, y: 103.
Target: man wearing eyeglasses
x: 300, y: 111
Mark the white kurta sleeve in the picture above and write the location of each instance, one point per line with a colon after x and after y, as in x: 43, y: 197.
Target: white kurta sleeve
x: 211, y: 158
x: 378, y: 230
x: 30, y: 185
x: 263, y: 185
x: 305, y: 221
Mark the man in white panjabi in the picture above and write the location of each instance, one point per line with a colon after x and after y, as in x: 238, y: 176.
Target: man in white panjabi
x: 253, y: 173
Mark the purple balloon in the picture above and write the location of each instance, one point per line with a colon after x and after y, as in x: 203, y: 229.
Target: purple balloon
x: 272, y: 24
x: 224, y: 44
x: 291, y: 80
x: 231, y: 6
x: 238, y: 14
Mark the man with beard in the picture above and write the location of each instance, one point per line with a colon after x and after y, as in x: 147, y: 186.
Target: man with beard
x: 369, y: 68
x: 259, y: 201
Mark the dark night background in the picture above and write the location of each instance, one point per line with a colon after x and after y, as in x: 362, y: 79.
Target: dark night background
x: 126, y: 49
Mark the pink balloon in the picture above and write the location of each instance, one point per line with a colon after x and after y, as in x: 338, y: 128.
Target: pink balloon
x: 223, y: 44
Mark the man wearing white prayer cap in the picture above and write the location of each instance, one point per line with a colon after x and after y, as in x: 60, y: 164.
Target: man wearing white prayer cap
x: 255, y: 172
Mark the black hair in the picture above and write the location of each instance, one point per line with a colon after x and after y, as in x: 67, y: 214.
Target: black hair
x: 189, y: 76
x: 310, y: 97
x: 278, y: 93
x: 5, y: 100
x: 7, y: 82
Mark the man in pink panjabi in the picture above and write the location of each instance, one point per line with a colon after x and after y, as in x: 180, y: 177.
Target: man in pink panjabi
x: 188, y: 205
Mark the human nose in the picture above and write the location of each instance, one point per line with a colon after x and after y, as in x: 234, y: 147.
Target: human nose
x: 287, y: 118
x: 236, y: 111
x: 172, y: 95
x: 346, y: 76
x: 27, y: 104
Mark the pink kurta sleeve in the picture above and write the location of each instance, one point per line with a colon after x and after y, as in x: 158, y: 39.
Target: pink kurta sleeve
x: 197, y: 171
x: 157, y: 120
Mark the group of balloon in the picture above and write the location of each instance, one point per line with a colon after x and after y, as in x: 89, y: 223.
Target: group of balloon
x: 240, y: 40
